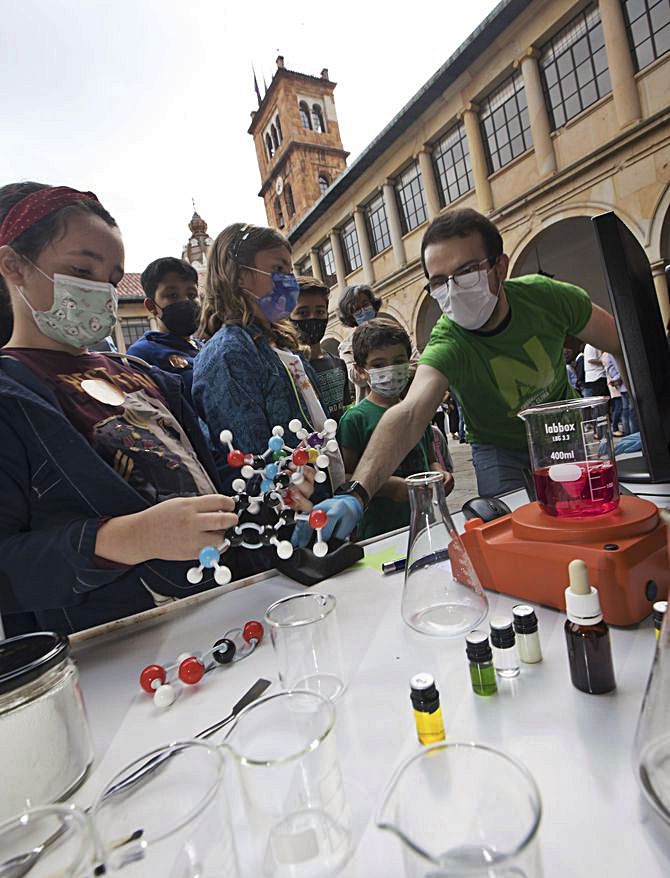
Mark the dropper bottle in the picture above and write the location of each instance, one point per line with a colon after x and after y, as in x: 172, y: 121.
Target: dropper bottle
x: 659, y: 609
x: 587, y: 635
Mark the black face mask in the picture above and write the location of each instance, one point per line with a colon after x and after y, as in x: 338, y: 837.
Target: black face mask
x: 312, y: 329
x: 182, y: 318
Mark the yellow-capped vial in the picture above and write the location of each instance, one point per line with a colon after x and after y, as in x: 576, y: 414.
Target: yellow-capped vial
x: 427, y: 710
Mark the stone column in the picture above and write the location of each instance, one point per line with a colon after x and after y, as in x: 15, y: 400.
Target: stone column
x: 540, y: 127
x: 662, y: 292
x: 429, y: 183
x: 364, y: 246
x: 480, y: 170
x: 620, y: 63
x: 393, y: 217
x: 340, y: 269
x: 316, y: 265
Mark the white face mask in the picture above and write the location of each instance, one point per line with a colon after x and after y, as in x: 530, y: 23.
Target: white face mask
x: 83, y: 311
x: 470, y: 308
x: 389, y: 381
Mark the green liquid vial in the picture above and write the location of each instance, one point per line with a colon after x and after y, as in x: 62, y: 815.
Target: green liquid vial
x: 482, y: 672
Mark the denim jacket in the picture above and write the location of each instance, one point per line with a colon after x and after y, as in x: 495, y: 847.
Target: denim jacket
x: 240, y: 384
x: 54, y: 489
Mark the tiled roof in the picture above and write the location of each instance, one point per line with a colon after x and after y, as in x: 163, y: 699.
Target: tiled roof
x: 130, y: 286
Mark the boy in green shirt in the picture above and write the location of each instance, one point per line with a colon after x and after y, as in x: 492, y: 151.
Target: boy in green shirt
x: 381, y: 351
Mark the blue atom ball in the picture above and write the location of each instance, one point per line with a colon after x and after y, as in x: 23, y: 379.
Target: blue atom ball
x: 209, y: 556
x: 271, y: 471
x: 267, y: 485
x: 275, y: 443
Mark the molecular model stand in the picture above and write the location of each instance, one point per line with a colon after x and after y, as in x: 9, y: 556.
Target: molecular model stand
x: 272, y: 475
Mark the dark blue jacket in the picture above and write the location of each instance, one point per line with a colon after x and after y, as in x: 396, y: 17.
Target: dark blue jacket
x: 54, y: 489
x: 165, y: 350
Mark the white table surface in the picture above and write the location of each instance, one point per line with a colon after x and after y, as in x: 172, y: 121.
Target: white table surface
x: 578, y: 747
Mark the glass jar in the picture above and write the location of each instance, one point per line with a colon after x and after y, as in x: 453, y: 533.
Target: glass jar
x: 45, y: 742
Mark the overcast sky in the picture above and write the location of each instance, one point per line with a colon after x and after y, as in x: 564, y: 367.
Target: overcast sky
x: 147, y: 102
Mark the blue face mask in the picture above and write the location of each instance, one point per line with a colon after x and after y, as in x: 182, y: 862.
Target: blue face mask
x: 364, y: 314
x: 282, y: 298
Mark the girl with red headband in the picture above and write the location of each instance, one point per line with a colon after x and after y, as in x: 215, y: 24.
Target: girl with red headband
x: 106, y: 481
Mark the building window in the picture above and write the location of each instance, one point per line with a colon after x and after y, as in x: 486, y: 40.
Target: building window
x: 290, y: 203
x: 327, y: 260
x: 317, y: 119
x: 279, y: 214
x: 305, y: 119
x: 409, y: 191
x: 505, y: 123
x: 275, y: 136
x: 350, y: 247
x: 305, y: 268
x: 574, y: 67
x: 279, y: 132
x: 378, y: 227
x: 323, y: 183
x: 269, y: 146
x: 451, y: 158
x: 648, y: 26
x: 134, y: 328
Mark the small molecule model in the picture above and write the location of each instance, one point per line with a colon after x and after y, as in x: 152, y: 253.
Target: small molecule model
x: 159, y: 681
x: 272, y: 475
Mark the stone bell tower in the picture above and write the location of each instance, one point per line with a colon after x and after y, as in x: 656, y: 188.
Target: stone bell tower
x: 196, y: 249
x: 297, y: 142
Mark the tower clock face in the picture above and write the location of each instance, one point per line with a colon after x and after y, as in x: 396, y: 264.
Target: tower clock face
x: 279, y: 185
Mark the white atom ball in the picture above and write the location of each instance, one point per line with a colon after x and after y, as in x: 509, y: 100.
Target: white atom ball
x: 279, y: 431
x: 322, y: 461
x: 164, y: 696
x: 226, y: 437
x: 320, y: 549
x: 222, y: 575
x: 320, y: 476
x: 239, y: 485
x: 294, y: 425
x: 297, y: 478
x: 331, y: 446
x: 284, y: 549
x: 330, y: 426
x: 247, y: 471
x: 194, y: 575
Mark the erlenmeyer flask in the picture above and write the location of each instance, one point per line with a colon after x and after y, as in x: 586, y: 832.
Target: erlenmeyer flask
x: 442, y: 594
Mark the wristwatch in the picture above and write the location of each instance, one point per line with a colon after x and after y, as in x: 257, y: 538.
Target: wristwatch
x: 353, y: 487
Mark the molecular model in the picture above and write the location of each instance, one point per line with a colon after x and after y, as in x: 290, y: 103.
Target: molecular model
x: 271, y: 476
x: 160, y: 681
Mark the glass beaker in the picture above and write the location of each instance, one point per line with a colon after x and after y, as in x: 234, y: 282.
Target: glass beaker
x: 442, y: 595
x: 570, y: 445
x: 652, y: 739
x: 290, y: 795
x: 57, y: 840
x: 464, y: 809
x: 306, y: 642
x: 174, y: 821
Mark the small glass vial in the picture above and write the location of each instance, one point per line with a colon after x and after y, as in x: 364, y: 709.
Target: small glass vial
x: 427, y: 711
x: 527, y: 638
x: 503, y: 643
x: 482, y: 673
x: 659, y: 610
x: 587, y: 635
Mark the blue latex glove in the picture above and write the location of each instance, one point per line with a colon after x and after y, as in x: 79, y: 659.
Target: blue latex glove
x: 344, y: 512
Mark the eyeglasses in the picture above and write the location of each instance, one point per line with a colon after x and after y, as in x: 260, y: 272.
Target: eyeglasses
x: 242, y: 236
x: 465, y: 278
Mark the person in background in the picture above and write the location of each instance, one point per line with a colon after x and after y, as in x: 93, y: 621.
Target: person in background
x: 595, y: 375
x: 310, y: 318
x: 381, y: 350
x: 250, y: 376
x: 499, y: 344
x: 628, y: 416
x: 108, y: 490
x: 358, y: 304
x: 614, y: 383
x: 171, y: 289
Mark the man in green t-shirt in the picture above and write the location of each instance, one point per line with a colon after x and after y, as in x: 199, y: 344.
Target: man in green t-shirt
x: 499, y: 346
x: 381, y: 350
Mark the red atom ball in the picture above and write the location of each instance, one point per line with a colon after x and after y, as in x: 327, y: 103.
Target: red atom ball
x: 289, y: 498
x: 317, y: 519
x: 191, y: 670
x: 300, y: 457
x: 235, y: 458
x: 149, y: 674
x: 252, y: 630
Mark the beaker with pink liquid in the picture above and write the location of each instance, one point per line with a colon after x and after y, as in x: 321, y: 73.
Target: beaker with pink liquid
x: 572, y: 456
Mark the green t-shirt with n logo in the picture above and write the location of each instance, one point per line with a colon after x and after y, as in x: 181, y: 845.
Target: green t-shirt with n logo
x: 496, y: 376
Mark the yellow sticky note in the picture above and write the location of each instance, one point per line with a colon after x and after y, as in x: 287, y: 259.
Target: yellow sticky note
x: 376, y: 559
